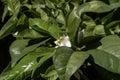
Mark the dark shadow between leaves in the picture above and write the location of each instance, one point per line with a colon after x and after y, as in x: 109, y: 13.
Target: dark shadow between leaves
x: 95, y: 72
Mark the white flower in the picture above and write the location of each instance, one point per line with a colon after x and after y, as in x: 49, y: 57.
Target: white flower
x: 63, y: 41
x: 16, y: 33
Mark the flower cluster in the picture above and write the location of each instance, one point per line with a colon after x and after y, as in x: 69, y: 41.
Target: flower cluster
x: 63, y: 41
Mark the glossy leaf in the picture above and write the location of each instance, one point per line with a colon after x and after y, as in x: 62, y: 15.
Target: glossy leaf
x: 26, y: 65
x: 5, y: 13
x: 89, y: 25
x: 111, y: 44
x: 36, y: 24
x: 49, y: 4
x: 113, y: 1
x: 39, y: 9
x: 23, y: 69
x: 16, y: 50
x: 60, y: 17
x: 28, y: 33
x: 67, y: 64
x: 60, y: 60
x: 107, y: 55
x: 46, y: 26
x: 9, y: 27
x: 13, y: 6
x: 112, y: 23
x: 47, y: 53
x: 99, y: 30
x: 115, y: 4
x: 50, y: 73
x: 75, y: 62
x: 96, y: 6
x: 106, y: 60
x: 20, y: 48
x: 73, y: 22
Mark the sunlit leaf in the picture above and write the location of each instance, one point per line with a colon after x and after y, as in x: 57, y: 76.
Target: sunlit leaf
x: 26, y: 65
x: 53, y: 29
x: 96, y: 6
x: 111, y: 44
x: 36, y: 24
x: 28, y: 33
x: 13, y: 6
x: 50, y: 73
x: 16, y: 50
x: 107, y: 55
x: 20, y: 48
x: 67, y: 63
x: 60, y: 17
x: 9, y: 27
x: 75, y: 62
x: 49, y: 4
x: 113, y: 1
x: 89, y: 25
x: 47, y: 53
x: 106, y: 60
x: 5, y: 13
x: 99, y: 30
x: 23, y: 69
x: 73, y: 22
x: 61, y: 59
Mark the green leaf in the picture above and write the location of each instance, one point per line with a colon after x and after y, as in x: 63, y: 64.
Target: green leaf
x: 106, y: 60
x: 77, y: 1
x: 39, y: 9
x: 111, y: 44
x: 116, y: 29
x: 16, y: 49
x: 107, y: 55
x: 89, y: 25
x: 73, y: 22
x: 60, y: 17
x: 28, y: 33
x: 113, y: 1
x: 13, y: 6
x: 5, y: 13
x: 23, y: 20
x: 23, y: 69
x: 115, y: 5
x: 67, y: 63
x: 28, y: 64
x: 108, y: 17
x: 75, y: 62
x: 20, y: 48
x: 99, y: 30
x: 52, y: 29
x: 47, y: 53
x: 96, y: 6
x: 50, y: 73
x: 50, y: 4
x: 9, y: 27
x: 112, y: 23
x: 60, y: 60
x: 106, y: 75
